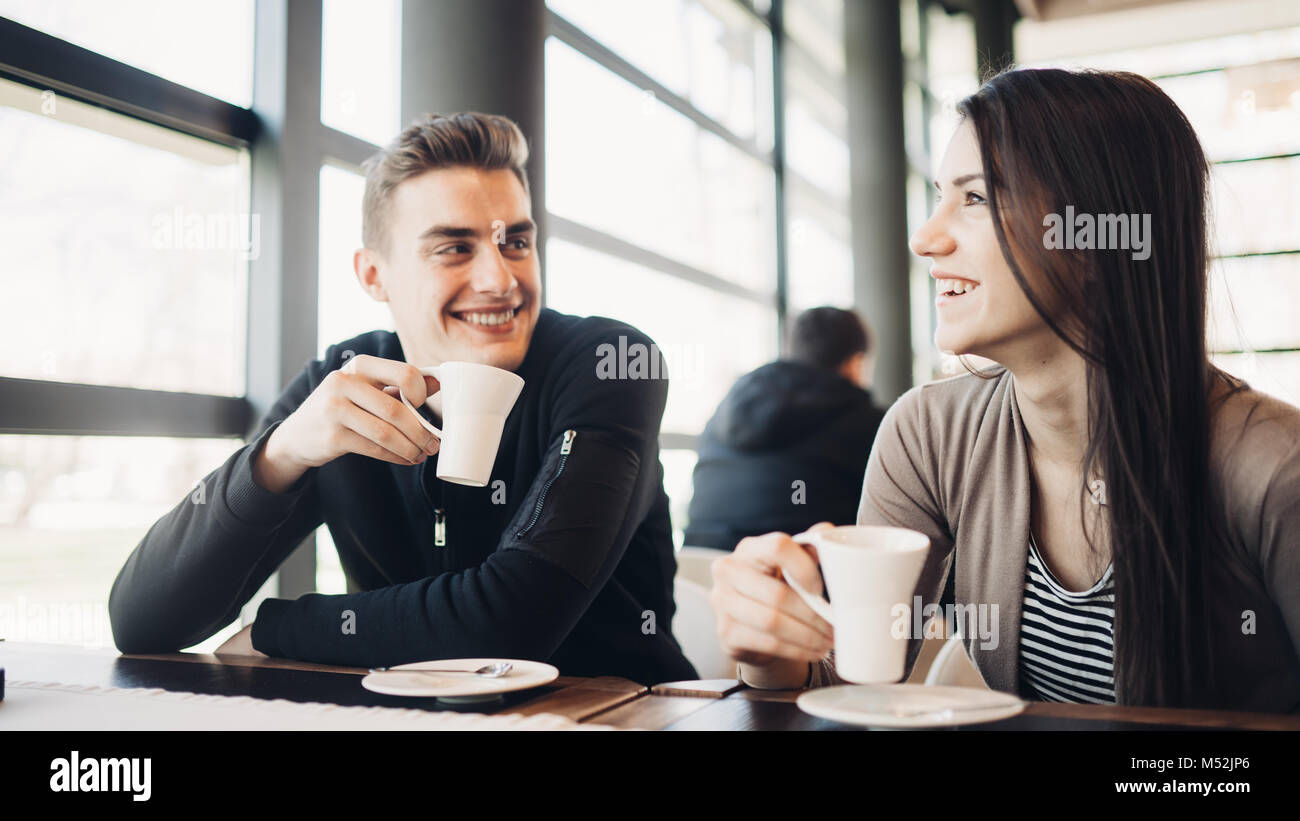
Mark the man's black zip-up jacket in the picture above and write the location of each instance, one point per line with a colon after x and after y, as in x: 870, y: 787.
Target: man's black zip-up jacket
x: 565, y: 557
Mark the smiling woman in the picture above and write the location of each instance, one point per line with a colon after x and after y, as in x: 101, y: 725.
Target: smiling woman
x: 1130, y: 509
x: 1133, y: 327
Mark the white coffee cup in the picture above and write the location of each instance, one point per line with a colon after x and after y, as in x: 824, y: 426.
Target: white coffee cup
x: 871, y: 574
x: 476, y: 399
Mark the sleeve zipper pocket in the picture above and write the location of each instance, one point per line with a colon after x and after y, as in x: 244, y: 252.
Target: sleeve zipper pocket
x: 565, y: 447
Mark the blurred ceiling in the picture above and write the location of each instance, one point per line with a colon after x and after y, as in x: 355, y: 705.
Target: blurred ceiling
x: 1059, y: 9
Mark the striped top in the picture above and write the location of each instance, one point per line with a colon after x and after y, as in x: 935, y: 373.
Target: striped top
x: 1067, y: 644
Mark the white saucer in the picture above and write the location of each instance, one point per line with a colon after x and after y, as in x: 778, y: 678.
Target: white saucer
x: 908, y: 705
x: 459, y: 687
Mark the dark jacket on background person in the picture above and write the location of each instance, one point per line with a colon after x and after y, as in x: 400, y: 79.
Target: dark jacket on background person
x: 565, y: 557
x: 787, y: 448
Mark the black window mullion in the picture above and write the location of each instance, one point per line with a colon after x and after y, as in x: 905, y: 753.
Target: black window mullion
x: 42, y: 61
x: 35, y: 406
x: 776, y: 16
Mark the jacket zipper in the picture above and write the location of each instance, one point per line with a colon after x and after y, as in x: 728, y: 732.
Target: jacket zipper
x: 440, y: 519
x: 565, y: 447
x: 439, y: 528
x: 439, y: 512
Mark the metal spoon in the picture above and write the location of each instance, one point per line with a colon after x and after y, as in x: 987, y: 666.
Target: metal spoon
x: 495, y: 670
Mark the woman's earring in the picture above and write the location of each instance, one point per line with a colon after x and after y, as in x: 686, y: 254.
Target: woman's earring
x: 1098, y: 489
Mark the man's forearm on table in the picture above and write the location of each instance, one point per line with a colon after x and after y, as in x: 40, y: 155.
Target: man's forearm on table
x: 515, y: 606
x: 192, y: 567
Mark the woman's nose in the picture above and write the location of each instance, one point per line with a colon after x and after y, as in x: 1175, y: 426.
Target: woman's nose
x: 932, y: 239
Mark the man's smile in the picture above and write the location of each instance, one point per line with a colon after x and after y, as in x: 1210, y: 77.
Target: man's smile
x: 490, y: 320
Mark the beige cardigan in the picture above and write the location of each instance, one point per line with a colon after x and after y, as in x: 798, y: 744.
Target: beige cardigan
x: 951, y: 461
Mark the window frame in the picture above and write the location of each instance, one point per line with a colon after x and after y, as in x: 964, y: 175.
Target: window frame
x: 559, y: 227
x: 34, y: 406
x: 280, y: 334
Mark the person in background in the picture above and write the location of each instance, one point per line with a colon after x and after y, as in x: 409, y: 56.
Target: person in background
x: 788, y: 446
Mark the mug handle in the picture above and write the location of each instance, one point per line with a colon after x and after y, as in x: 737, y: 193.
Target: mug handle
x: 427, y: 424
x: 819, y: 605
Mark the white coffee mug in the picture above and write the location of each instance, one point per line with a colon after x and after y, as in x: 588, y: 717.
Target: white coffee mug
x: 476, y: 399
x: 871, y: 574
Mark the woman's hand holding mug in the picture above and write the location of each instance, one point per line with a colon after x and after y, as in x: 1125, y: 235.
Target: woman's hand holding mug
x: 762, y: 623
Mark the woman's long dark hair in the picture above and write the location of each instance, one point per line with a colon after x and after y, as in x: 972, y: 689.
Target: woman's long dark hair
x: 1113, y: 143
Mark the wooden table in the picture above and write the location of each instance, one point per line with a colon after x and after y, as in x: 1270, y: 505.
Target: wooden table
x: 716, y: 705
x: 743, y: 708
x: 578, y: 699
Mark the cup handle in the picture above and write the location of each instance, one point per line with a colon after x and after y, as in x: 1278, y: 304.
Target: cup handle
x: 427, y: 424
x: 819, y: 605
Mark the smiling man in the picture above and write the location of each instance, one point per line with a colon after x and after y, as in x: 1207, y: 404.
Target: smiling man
x: 565, y: 557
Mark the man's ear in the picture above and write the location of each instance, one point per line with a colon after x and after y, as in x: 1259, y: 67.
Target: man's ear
x: 855, y: 369
x: 368, y: 264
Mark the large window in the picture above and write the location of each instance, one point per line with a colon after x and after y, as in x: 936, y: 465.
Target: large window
x: 939, y: 50
x: 360, y: 98
x: 157, y: 308
x: 817, y: 156
x: 123, y: 239
x: 360, y: 65
x: 715, y: 54
x: 343, y: 308
x: 72, y: 508
x: 680, y: 200
x: 1240, y: 88
x: 343, y: 311
x: 1241, y: 91
x: 129, y: 237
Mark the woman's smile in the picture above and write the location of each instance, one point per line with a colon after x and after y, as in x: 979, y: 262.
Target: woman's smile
x: 951, y: 289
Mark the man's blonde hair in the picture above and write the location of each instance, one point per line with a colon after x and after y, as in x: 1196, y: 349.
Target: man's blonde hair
x: 486, y: 141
